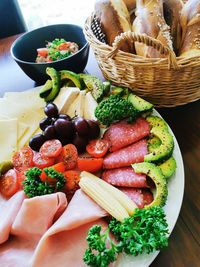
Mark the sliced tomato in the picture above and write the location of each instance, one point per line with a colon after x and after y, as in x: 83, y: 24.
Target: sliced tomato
x: 41, y: 161
x: 90, y: 164
x: 69, y: 156
x: 51, y: 148
x: 72, y: 179
x: 42, y: 52
x: 59, y: 167
x: 98, y: 148
x: 64, y: 46
x: 23, y: 158
x: 9, y: 183
x: 21, y: 177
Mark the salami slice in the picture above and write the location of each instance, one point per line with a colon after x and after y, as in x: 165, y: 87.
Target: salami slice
x: 141, y: 197
x: 122, y: 134
x: 125, y: 177
x: 126, y: 156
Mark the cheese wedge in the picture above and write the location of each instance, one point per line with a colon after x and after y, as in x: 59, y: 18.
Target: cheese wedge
x: 89, y: 107
x: 8, y: 138
x: 77, y: 107
x: 66, y: 96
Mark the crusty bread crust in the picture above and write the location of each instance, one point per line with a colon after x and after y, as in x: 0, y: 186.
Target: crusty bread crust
x: 115, y: 19
x: 150, y: 20
x: 172, y: 12
x: 190, y: 23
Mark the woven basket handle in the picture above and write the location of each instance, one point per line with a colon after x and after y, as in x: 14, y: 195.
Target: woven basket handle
x: 145, y: 39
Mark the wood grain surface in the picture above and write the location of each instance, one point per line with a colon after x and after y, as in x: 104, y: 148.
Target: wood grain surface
x: 184, y: 243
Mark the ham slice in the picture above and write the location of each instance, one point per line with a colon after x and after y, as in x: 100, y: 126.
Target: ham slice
x: 124, y: 177
x: 122, y: 134
x: 69, y: 234
x: 126, y: 156
x: 43, y: 232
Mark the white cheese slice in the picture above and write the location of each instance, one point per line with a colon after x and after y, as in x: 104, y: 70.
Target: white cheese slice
x: 21, y: 127
x: 89, y: 107
x: 8, y: 138
x: 29, y: 97
x: 77, y: 107
x: 24, y: 113
x: 66, y: 96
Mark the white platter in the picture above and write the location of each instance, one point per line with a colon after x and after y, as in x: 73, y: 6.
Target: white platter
x: 172, y: 207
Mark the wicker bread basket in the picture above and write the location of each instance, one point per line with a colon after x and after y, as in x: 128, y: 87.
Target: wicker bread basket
x: 165, y: 82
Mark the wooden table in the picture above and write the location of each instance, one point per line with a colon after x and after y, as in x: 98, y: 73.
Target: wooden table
x: 184, y: 243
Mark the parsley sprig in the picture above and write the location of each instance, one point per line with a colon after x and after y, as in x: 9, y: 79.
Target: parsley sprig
x: 34, y: 186
x: 143, y: 232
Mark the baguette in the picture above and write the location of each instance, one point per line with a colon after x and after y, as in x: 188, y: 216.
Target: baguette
x: 172, y: 11
x: 190, y: 23
x: 150, y: 20
x: 115, y: 19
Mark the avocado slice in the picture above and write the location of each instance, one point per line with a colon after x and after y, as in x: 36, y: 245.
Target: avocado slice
x: 156, y: 121
x: 5, y: 166
x: 69, y: 75
x: 46, y: 89
x: 106, y: 87
x: 153, y: 143
x: 95, y: 85
x: 155, y: 173
x: 165, y: 150
x: 55, y: 77
x: 168, y: 167
x: 139, y: 103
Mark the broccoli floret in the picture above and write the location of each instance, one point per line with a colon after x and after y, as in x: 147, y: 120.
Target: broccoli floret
x: 114, y: 108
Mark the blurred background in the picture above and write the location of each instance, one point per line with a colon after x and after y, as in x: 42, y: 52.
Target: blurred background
x: 39, y: 13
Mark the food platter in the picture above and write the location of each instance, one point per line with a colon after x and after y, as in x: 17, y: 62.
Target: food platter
x: 172, y: 207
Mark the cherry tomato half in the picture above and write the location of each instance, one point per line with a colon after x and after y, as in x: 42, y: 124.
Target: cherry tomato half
x: 9, y: 183
x: 42, y: 162
x: 90, y: 164
x: 59, y: 167
x: 23, y: 158
x: 42, y: 52
x: 21, y: 177
x: 69, y: 156
x: 98, y: 148
x: 72, y: 179
x: 51, y: 148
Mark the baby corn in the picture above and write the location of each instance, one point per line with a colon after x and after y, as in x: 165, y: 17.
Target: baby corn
x: 103, y: 198
x: 122, y: 198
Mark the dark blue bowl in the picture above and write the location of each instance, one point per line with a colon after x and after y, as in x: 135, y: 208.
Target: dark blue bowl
x: 24, y: 50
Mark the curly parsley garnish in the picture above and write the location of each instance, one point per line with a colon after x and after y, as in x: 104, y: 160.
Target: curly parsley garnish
x: 34, y: 186
x: 143, y: 232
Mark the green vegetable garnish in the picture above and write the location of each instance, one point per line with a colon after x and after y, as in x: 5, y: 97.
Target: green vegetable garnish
x: 143, y: 232
x: 100, y: 243
x: 114, y: 108
x: 33, y: 186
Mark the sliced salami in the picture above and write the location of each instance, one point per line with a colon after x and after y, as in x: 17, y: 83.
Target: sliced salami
x: 122, y: 134
x: 126, y: 156
x: 125, y: 177
x: 141, y: 197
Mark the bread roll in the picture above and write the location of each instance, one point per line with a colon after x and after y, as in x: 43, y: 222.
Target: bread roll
x: 190, y: 23
x: 150, y: 20
x: 130, y: 4
x: 172, y: 11
x: 115, y: 19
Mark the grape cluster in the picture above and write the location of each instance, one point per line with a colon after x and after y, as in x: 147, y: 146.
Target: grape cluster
x: 77, y: 130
